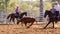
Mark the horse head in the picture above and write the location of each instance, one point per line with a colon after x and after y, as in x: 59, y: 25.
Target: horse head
x: 46, y: 13
x: 22, y: 14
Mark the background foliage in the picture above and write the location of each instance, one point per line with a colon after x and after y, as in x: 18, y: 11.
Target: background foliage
x: 10, y: 5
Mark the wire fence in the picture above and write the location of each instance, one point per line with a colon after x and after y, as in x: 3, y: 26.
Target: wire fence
x: 3, y: 18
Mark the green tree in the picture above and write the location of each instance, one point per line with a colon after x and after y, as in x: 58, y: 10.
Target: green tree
x: 6, y: 3
x: 3, y: 4
x: 47, y: 5
x: 25, y: 7
x: 55, y: 0
x: 35, y: 4
x: 11, y: 7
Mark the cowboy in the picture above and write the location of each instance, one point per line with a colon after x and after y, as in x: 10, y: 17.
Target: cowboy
x: 55, y: 11
x: 56, y: 6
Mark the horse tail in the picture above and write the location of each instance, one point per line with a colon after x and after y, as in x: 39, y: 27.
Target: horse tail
x: 8, y: 16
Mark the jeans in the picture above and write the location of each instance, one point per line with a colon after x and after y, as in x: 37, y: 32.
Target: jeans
x: 17, y: 13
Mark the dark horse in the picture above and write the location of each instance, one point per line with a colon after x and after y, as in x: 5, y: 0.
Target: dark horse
x: 51, y: 16
x: 26, y: 20
x: 14, y: 15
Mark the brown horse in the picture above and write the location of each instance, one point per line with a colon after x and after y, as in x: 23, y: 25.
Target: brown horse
x: 26, y: 20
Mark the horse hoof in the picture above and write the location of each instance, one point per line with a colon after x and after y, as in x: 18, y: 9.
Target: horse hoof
x: 21, y: 25
x: 56, y: 22
x: 28, y: 27
x: 44, y: 28
x: 17, y: 23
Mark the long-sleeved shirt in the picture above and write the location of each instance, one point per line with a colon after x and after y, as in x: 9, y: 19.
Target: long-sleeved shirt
x: 57, y: 7
x: 17, y: 10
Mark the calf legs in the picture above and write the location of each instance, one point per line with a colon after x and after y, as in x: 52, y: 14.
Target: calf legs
x: 30, y: 24
x: 18, y: 22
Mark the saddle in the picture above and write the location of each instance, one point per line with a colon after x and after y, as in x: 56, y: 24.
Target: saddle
x: 16, y: 14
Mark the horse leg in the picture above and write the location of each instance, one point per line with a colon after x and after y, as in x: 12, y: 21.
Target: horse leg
x: 47, y: 24
x: 17, y: 19
x: 53, y: 24
x: 10, y: 19
x: 56, y: 19
x: 13, y: 20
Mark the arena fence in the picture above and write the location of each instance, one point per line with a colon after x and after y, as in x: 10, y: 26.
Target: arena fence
x: 3, y: 20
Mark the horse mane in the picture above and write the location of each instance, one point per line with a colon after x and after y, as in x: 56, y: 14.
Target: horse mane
x: 23, y: 13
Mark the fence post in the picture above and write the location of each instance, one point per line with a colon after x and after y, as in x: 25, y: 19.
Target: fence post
x: 41, y: 11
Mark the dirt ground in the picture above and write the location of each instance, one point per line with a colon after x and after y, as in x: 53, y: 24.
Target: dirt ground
x: 34, y: 29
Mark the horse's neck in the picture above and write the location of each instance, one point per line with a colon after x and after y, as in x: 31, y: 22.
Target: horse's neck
x: 21, y: 15
x: 51, y: 14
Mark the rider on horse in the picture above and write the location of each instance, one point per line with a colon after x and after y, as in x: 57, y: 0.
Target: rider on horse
x: 56, y: 6
x: 56, y: 13
x: 17, y: 10
x: 53, y: 14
